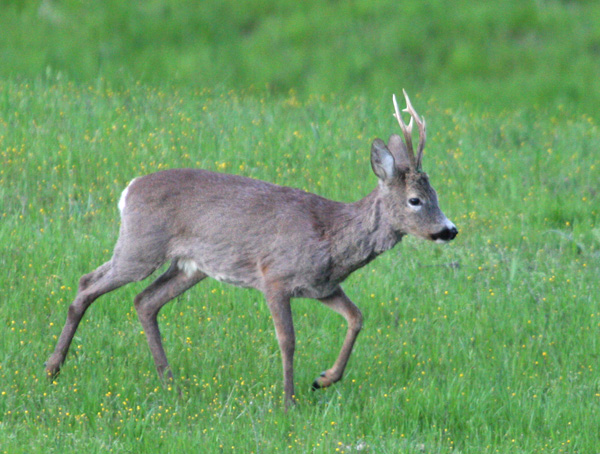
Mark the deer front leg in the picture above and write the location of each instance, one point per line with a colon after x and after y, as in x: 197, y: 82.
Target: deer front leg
x: 340, y: 303
x: 281, y: 312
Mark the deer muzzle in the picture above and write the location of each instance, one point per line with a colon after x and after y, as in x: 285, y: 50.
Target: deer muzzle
x: 448, y: 233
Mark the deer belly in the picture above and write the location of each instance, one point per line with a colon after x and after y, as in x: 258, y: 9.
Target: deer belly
x: 238, y: 277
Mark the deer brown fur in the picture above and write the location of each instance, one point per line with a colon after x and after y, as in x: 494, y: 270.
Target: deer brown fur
x: 282, y: 241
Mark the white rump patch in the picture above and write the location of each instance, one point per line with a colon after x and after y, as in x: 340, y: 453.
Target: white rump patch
x: 188, y: 266
x: 124, y: 196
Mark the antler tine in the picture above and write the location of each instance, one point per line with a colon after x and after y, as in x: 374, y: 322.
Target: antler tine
x: 420, y: 124
x: 406, y: 131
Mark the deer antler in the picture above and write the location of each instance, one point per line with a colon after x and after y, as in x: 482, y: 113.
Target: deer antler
x: 407, y: 131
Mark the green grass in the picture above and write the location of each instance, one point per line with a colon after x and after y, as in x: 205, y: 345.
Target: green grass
x: 489, y: 344
x: 506, y: 53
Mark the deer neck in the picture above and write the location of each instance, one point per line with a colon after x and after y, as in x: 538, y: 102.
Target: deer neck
x: 361, y: 233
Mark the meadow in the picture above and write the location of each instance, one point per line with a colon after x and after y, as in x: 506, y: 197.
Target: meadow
x: 496, y: 53
x: 489, y: 344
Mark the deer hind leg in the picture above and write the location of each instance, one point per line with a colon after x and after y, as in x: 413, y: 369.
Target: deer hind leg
x: 89, y: 279
x: 340, y: 303
x: 169, y: 285
x: 91, y: 286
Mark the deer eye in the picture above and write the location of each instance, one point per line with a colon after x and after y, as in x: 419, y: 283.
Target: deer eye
x: 415, y: 202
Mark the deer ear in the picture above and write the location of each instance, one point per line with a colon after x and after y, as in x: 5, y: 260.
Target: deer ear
x: 382, y: 161
x: 399, y: 151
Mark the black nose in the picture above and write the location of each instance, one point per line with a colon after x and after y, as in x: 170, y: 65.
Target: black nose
x: 445, y: 235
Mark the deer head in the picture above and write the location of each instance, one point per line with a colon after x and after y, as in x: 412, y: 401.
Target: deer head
x: 410, y: 201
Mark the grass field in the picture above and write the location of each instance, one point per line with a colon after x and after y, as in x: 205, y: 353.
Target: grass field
x: 508, y: 53
x: 489, y: 344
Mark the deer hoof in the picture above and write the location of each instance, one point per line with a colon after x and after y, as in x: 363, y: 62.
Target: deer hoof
x: 321, y: 382
x: 52, y: 372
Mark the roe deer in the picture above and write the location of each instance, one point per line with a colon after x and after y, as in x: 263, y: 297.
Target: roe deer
x: 282, y: 241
